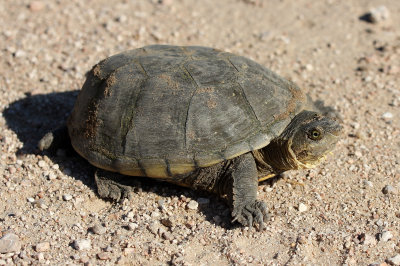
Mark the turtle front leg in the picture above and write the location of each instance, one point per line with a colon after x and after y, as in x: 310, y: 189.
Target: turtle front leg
x: 242, y: 192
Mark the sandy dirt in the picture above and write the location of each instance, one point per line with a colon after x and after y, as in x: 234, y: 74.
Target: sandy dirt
x: 346, y: 211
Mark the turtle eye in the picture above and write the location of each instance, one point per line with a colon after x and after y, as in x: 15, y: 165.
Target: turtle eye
x: 315, y: 134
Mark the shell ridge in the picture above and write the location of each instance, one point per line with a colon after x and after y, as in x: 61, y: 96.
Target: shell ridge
x: 130, y: 119
x: 141, y: 66
x: 244, y: 93
x: 188, y: 107
x: 248, y: 103
x: 229, y: 60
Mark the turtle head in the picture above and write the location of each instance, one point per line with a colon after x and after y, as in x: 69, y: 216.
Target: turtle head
x: 310, y: 137
x: 304, y: 143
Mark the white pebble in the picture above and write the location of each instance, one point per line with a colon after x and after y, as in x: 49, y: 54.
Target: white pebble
x: 193, y: 205
x: 155, y: 215
x: 67, y: 197
x: 387, y: 115
x: 98, y: 229
x: 19, y: 53
x: 42, y: 164
x: 302, y: 207
x: 43, y: 246
x: 40, y: 256
x: 369, y: 240
x: 388, y: 189
x: 10, y: 243
x: 385, y: 236
x: 52, y: 176
x: 132, y: 226
x: 394, y: 260
x: 379, y: 14
x: 367, y: 184
x: 309, y: 67
x: 31, y: 200
x: 82, y: 244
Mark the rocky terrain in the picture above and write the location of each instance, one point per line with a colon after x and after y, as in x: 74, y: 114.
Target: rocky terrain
x: 346, y: 211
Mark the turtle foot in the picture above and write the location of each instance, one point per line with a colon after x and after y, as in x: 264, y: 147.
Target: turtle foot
x: 110, y: 186
x: 250, y: 214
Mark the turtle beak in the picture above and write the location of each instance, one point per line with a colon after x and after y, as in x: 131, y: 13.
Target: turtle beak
x: 332, y: 126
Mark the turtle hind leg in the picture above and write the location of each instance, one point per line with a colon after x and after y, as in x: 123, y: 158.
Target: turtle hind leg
x: 54, y: 140
x: 112, y: 185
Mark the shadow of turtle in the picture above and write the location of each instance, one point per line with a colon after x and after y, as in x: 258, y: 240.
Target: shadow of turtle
x: 35, y: 115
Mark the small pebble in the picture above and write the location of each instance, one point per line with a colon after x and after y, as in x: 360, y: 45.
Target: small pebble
x: 31, y: 200
x: 40, y: 256
x: 268, y: 189
x: 98, y: 229
x: 161, y: 203
x: 155, y: 215
x: 167, y: 235
x: 104, y: 256
x: 121, y: 18
x: 36, y: 6
x: 132, y: 226
x: 302, y: 207
x: 377, y: 14
x: 394, y: 260
x: 41, y: 204
x: 82, y: 244
x: 10, y: 243
x: 167, y: 222
x: 42, y: 247
x: 388, y: 189
x: 385, y: 236
x: 52, y: 176
x: 42, y: 164
x: 19, y: 53
x: 369, y: 240
x: 377, y: 264
x: 367, y: 184
x: 193, y: 205
x: 67, y: 197
x: 387, y: 116
x: 153, y: 227
x: 128, y: 251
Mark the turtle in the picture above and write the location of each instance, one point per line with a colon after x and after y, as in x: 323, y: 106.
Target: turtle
x: 197, y: 117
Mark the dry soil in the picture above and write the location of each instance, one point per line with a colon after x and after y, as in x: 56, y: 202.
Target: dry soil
x: 346, y: 211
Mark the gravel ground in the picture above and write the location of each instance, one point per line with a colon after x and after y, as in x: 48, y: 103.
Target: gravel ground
x: 345, y: 211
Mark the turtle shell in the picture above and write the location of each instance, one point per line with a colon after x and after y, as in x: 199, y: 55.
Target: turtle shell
x: 161, y: 111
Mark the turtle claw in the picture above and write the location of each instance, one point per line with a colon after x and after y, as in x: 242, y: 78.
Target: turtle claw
x: 251, y: 214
